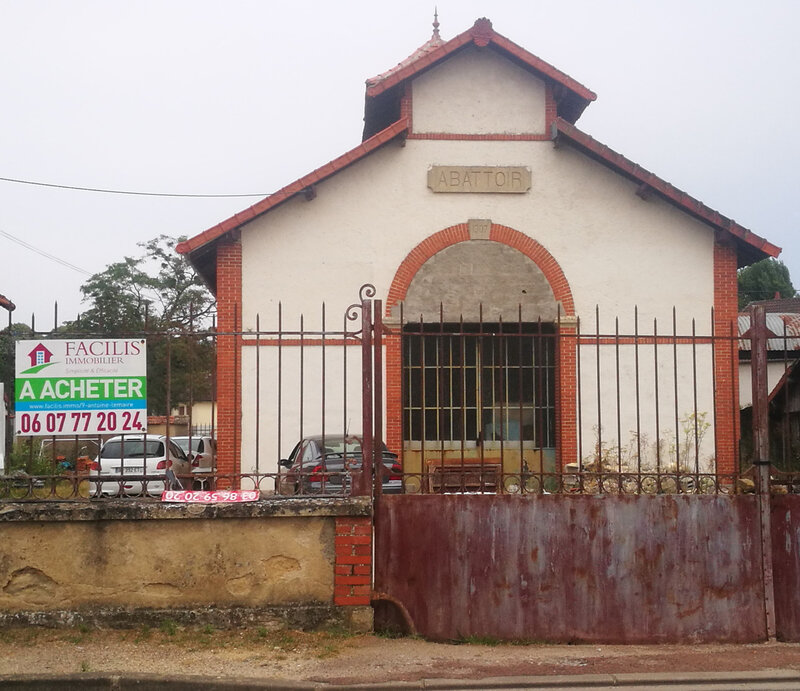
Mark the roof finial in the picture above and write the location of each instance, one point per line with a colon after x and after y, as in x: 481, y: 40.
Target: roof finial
x: 435, y: 24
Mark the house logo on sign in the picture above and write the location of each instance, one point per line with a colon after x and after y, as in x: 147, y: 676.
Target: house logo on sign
x: 40, y: 358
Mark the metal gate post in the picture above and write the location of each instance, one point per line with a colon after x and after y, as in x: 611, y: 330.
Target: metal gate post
x: 758, y: 364
x: 367, y: 397
x: 377, y: 377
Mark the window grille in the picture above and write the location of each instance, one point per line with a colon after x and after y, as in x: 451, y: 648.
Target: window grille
x: 482, y: 383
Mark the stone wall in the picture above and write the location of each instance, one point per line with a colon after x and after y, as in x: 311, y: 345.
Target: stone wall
x: 129, y: 562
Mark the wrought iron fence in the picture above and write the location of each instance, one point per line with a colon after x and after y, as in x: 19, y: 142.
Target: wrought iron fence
x: 491, y: 407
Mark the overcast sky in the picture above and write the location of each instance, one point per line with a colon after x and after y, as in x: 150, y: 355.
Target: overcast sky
x: 239, y: 97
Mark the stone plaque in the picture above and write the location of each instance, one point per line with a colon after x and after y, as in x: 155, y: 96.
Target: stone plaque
x: 480, y: 179
x: 479, y: 228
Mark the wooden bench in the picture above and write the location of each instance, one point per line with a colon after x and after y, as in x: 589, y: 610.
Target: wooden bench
x: 463, y: 475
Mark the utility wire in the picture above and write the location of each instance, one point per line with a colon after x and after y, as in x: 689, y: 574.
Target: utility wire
x: 63, y: 262
x: 138, y: 194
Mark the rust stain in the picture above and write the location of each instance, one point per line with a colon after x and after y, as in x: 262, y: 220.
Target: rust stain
x: 616, y: 569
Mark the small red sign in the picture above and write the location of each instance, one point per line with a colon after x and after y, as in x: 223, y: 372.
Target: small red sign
x: 210, y: 497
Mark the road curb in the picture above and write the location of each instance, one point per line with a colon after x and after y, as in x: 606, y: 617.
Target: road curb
x: 139, y: 682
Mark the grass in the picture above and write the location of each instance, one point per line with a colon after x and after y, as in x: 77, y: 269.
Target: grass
x: 51, y: 488
x: 168, y: 627
x: 480, y: 640
x: 324, y: 644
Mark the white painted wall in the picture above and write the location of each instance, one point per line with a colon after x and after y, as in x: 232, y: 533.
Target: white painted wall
x: 293, y: 393
x: 478, y: 92
x: 775, y: 371
x: 643, y: 426
x: 616, y: 250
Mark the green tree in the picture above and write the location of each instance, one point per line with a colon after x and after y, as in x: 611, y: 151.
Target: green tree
x: 158, y: 290
x: 157, y: 294
x: 8, y: 337
x: 763, y: 280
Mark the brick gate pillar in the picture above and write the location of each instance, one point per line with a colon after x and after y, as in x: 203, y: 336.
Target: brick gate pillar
x: 352, y: 584
x: 229, y: 358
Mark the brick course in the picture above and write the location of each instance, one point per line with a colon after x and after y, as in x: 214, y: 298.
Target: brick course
x: 352, y: 579
x: 726, y: 359
x: 566, y: 401
x: 229, y: 366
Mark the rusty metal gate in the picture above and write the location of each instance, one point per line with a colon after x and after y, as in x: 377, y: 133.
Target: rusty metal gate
x: 606, y: 547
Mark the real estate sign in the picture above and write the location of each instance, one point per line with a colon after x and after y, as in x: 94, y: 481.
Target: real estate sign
x: 89, y: 386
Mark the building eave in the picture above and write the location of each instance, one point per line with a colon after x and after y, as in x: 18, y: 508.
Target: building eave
x: 198, y: 247
x: 750, y: 247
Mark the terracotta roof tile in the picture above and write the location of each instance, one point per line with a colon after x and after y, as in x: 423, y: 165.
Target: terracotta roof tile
x: 294, y: 188
x: 481, y: 33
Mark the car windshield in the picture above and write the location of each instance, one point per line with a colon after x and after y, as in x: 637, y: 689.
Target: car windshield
x: 183, y: 442
x: 133, y: 448
x: 341, y: 444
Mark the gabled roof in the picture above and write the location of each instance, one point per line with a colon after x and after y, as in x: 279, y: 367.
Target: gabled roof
x: 572, y: 99
x: 750, y: 247
x: 385, y: 90
x: 780, y: 305
x: 434, y: 42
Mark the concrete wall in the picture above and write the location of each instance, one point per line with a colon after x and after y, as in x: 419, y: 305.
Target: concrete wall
x: 271, y: 560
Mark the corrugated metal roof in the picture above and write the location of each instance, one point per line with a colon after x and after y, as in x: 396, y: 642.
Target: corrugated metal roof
x: 782, y: 324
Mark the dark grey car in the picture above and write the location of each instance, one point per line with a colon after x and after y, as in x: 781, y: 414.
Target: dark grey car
x: 324, y: 465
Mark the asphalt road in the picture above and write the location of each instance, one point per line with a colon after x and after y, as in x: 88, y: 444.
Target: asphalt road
x: 777, y: 680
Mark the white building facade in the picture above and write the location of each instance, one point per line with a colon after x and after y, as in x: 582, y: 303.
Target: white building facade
x: 475, y: 203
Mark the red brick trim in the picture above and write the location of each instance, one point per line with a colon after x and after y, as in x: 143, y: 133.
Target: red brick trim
x: 482, y: 137
x: 550, y: 109
x: 393, y: 390
x: 726, y: 359
x: 274, y: 342
x: 418, y: 256
x: 646, y: 340
x: 352, y: 574
x: 566, y: 398
x: 229, y: 356
x: 407, y: 107
x: 460, y: 233
x: 542, y: 258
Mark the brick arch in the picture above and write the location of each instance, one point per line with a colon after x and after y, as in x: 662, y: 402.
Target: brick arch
x: 566, y: 378
x: 460, y: 233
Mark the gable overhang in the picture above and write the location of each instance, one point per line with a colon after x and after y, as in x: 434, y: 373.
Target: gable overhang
x: 750, y: 247
x: 384, y: 92
x: 201, y: 250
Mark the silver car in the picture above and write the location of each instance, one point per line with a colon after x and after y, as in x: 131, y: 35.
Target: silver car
x: 139, y: 465
x: 201, y: 450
